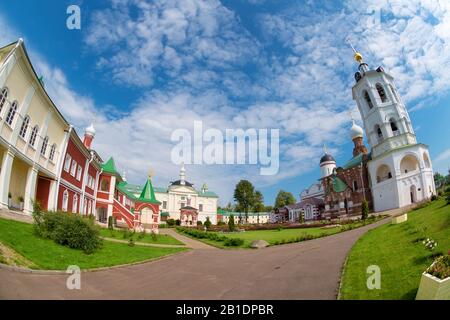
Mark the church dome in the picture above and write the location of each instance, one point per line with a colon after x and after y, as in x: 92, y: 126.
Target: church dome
x: 90, y: 130
x: 327, y: 158
x: 356, y: 131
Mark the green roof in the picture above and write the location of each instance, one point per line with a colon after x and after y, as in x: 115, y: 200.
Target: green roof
x: 164, y: 214
x: 353, y: 162
x: 339, y: 185
x: 109, y: 166
x: 148, y: 194
x: 135, y: 189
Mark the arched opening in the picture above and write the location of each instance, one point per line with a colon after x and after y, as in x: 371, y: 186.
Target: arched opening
x: 426, y: 160
x: 355, y: 185
x: 52, y: 152
x: 12, y: 113
x: 75, y: 204
x: 65, y: 200
x: 33, y: 135
x: 104, y: 185
x: 413, y: 194
x: 24, y: 127
x: 383, y: 173
x: 368, y: 100
x: 102, y: 214
x: 381, y: 92
x: 44, y: 146
x: 379, y: 133
x: 394, y: 127
x: 394, y: 93
x: 409, y: 164
x: 3, y: 97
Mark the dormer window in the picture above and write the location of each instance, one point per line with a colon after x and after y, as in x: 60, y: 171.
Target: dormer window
x: 381, y: 92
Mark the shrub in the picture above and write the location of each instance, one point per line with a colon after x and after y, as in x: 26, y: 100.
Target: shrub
x: 231, y: 226
x: 126, y: 234
x: 447, y: 190
x: 154, y: 236
x: 364, y: 210
x: 434, y: 197
x: 207, y: 223
x: 131, y: 242
x: 70, y: 230
x: 233, y: 242
x: 448, y: 199
x: 163, y: 226
x: 110, y: 222
x: 220, y: 223
x: 441, y: 267
x: 170, y: 222
x: 199, y: 223
x: 178, y: 222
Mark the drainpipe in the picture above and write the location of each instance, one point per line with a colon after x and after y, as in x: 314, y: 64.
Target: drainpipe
x: 61, y: 165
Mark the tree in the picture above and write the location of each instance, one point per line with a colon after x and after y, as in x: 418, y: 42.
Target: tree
x: 231, y: 226
x: 258, y: 206
x: 284, y: 198
x: 439, y: 179
x: 364, y: 210
x: 207, y: 223
x: 244, y: 195
x: 268, y: 208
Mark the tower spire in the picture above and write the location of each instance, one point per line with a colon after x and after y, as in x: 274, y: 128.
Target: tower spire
x: 358, y: 57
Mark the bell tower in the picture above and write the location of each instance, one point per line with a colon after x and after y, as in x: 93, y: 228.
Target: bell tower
x: 400, y: 167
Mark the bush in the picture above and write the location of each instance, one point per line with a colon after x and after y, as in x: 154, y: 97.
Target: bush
x: 220, y: 223
x: 233, y: 242
x: 131, y: 242
x: 110, y: 223
x: 178, y: 222
x: 163, y: 226
x: 154, y: 236
x: 207, y: 223
x: 70, y: 230
x: 170, y: 222
x: 441, y: 268
x: 364, y: 210
x: 448, y: 199
x: 199, y: 223
x: 434, y: 197
x: 231, y: 226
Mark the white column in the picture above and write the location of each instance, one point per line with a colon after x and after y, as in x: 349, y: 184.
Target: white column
x: 112, y: 188
x: 30, y: 190
x: 5, y: 177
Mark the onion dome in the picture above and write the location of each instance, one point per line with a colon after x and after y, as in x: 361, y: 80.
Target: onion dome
x: 356, y: 131
x: 90, y: 130
x: 327, y: 158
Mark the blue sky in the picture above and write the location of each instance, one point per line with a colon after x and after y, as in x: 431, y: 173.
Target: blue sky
x: 141, y: 69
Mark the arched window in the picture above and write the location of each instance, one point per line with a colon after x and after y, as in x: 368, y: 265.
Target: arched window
x: 383, y: 173
x: 355, y: 185
x: 394, y: 127
x: 381, y: 92
x: 33, y: 135
x: 65, y: 200
x: 368, y: 100
x: 394, y: 93
x: 52, y: 152
x: 408, y: 164
x: 24, y: 127
x: 74, y: 203
x: 426, y: 160
x: 44, y: 146
x: 104, y: 185
x: 3, y: 96
x: 12, y: 113
x: 379, y: 133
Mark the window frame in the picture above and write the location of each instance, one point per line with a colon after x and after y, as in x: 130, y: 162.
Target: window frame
x: 24, y: 127
x: 11, y: 113
x: 33, y: 137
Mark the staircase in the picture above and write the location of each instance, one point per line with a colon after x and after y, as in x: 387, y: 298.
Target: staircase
x: 127, y: 215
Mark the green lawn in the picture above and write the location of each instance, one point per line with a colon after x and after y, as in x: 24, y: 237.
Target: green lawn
x: 160, y: 238
x: 46, y: 254
x: 275, y: 237
x: 399, y: 253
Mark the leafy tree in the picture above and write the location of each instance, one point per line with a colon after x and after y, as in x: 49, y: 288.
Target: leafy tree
x: 268, y: 208
x: 244, y: 195
x: 110, y: 222
x: 364, y: 210
x: 284, y: 198
x: 258, y: 206
x: 439, y: 179
x: 231, y: 225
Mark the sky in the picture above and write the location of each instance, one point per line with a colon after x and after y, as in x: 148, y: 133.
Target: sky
x: 139, y: 70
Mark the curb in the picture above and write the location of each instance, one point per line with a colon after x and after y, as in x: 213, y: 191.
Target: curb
x: 61, y: 272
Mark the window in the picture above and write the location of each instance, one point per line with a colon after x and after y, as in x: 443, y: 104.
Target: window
x: 33, y: 136
x: 104, y: 185
x: 12, y: 113
x: 200, y: 207
x: 355, y: 185
x: 67, y: 163
x: 3, y: 96
x: 381, y: 92
x: 79, y: 171
x: 368, y: 100
x: 74, y: 203
x: 383, y: 173
x: 379, y: 133
x: 90, y: 207
x: 394, y: 127
x: 182, y: 205
x: 164, y: 204
x: 24, y: 127
x: 65, y: 200
x: 44, y: 146
x: 73, y: 169
x: 394, y: 92
x: 52, y: 152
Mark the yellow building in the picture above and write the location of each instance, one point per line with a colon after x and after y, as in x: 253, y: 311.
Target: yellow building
x: 33, y: 134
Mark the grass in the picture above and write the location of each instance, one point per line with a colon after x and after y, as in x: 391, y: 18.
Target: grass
x: 399, y: 252
x: 159, y: 239
x: 276, y: 237
x: 48, y: 255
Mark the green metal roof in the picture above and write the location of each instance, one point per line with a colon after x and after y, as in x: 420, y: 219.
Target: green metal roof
x: 353, y: 162
x: 148, y: 194
x: 110, y: 167
x: 135, y: 189
x: 164, y: 214
x: 339, y: 185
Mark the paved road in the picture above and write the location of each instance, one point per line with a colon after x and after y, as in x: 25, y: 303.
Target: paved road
x: 307, y: 270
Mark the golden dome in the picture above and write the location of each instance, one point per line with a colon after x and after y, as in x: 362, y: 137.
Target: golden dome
x: 358, y: 57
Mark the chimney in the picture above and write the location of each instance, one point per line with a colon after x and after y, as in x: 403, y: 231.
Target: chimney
x: 89, y: 135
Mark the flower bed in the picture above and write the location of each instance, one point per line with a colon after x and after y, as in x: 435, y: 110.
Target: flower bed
x: 435, y: 281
